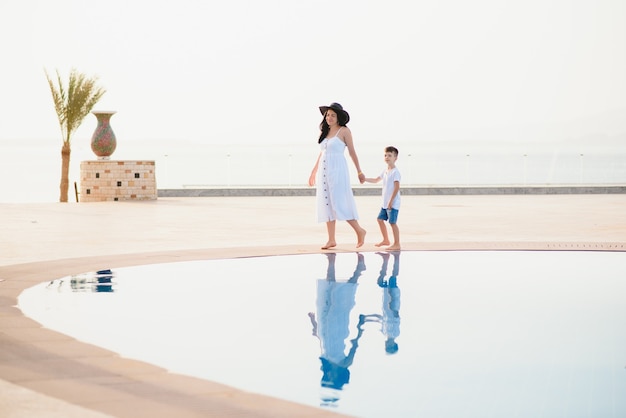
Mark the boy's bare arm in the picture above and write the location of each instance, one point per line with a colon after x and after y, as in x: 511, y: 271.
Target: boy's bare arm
x: 396, y: 189
x: 372, y: 179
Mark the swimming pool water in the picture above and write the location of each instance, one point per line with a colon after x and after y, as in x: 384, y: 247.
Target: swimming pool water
x: 446, y: 334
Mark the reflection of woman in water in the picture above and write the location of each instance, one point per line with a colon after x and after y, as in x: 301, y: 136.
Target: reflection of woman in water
x: 390, y: 319
x: 335, y: 300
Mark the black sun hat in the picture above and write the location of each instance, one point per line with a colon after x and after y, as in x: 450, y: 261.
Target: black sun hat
x: 337, y: 108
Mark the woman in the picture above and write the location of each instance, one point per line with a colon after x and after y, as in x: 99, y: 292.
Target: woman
x: 335, y: 200
x: 335, y: 300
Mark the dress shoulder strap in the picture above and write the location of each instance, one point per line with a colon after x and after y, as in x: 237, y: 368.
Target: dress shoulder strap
x: 337, y: 134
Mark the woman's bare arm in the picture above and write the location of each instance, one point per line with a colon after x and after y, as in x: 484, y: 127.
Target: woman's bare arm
x: 347, y: 139
x: 314, y: 171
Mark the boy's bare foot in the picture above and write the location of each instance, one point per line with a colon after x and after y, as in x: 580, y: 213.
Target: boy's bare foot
x: 329, y: 244
x: 380, y: 244
x: 361, y: 238
x: 393, y: 248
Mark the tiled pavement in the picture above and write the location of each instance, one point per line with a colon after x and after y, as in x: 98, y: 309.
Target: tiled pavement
x: 46, y: 374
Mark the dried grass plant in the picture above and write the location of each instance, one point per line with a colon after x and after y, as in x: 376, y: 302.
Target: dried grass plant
x: 72, y: 103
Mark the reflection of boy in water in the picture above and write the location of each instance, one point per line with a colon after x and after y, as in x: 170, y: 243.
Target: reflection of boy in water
x: 335, y: 300
x: 390, y: 319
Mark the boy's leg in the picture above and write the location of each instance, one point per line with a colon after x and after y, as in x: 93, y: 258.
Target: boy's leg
x: 382, y: 217
x: 383, y: 231
x: 396, y: 237
x: 393, y: 222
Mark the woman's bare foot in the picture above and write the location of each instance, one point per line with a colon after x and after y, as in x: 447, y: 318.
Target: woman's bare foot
x: 329, y: 244
x: 361, y: 237
x: 393, y: 248
x: 383, y: 242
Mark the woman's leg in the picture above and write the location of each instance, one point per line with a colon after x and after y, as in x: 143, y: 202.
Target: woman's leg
x: 330, y: 227
x: 360, y: 232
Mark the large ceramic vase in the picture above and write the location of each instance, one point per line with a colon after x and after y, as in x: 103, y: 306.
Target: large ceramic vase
x: 103, y: 140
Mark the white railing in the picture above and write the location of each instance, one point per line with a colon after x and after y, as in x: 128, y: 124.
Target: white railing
x: 282, y: 169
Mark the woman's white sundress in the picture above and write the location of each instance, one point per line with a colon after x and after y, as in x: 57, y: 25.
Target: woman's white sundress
x: 335, y: 200
x: 335, y: 301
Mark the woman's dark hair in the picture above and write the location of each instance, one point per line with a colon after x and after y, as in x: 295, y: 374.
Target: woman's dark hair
x: 342, y: 120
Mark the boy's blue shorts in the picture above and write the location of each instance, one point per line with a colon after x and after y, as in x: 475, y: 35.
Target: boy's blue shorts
x: 390, y: 215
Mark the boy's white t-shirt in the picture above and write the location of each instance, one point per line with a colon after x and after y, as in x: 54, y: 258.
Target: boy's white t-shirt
x: 389, y: 177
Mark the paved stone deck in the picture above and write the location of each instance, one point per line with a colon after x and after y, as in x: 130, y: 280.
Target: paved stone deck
x: 44, y: 373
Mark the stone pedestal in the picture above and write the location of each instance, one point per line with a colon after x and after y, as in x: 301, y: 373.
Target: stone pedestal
x: 110, y: 180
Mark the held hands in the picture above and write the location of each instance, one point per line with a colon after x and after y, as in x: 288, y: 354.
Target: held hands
x: 361, y: 177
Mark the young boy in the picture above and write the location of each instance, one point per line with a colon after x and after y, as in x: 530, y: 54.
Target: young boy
x: 391, y: 199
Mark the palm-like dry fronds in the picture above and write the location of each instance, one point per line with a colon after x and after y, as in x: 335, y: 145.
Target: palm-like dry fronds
x: 72, y: 103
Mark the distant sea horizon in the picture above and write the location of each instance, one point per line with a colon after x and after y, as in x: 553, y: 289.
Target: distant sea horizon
x: 30, y: 169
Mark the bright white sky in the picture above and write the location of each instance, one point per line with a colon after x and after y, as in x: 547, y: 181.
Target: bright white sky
x: 255, y: 71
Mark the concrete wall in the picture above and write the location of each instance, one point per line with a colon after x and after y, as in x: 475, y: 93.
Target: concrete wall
x: 374, y: 191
